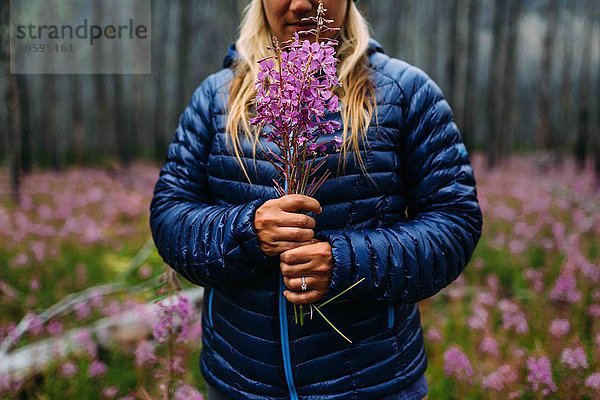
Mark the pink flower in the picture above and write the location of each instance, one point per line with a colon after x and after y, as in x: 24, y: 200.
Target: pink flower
x: 10, y: 383
x: 110, y: 392
x: 35, y: 324
x: 144, y: 353
x: 565, y: 288
x: 499, y: 378
x: 84, y: 339
x: 54, y: 328
x: 594, y: 310
x: 68, y: 369
x: 574, y: 358
x: 593, y: 381
x: 559, y: 327
x: 82, y: 310
x: 489, y: 345
x: 185, y: 392
x: 34, y: 284
x: 96, y: 368
x: 479, y: 318
x: 457, y: 364
x: 536, y: 278
x: 512, y: 317
x: 434, y: 335
x: 540, y: 375
x: 173, y: 311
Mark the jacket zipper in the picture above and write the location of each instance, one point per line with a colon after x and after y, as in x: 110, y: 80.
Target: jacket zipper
x: 391, y: 316
x: 210, y: 302
x: 285, y: 345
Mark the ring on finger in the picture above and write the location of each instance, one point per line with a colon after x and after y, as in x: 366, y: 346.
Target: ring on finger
x: 304, y: 287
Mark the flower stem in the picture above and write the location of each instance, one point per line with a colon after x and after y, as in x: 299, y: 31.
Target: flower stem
x: 329, y: 322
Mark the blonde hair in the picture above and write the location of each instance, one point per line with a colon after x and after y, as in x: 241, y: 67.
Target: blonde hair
x: 357, y: 93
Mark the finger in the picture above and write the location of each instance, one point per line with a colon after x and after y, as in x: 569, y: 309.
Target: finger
x: 292, y: 219
x: 296, y: 270
x: 300, y: 255
x: 289, y: 234
x: 312, y: 283
x: 297, y: 202
x: 307, y: 297
x: 283, y: 246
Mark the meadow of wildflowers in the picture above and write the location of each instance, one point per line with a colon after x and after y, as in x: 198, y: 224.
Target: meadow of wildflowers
x: 521, y: 322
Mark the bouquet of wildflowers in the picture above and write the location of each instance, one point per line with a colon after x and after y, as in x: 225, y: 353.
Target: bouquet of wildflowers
x: 294, y: 91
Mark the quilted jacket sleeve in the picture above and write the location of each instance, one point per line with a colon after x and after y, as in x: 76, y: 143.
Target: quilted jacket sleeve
x: 209, y: 245
x: 414, y: 259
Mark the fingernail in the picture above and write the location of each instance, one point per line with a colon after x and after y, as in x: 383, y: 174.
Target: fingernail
x: 320, y: 210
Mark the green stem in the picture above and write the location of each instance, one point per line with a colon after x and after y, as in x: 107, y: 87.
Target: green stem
x: 338, y: 295
x: 329, y: 322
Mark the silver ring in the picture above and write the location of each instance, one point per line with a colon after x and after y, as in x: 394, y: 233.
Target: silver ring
x: 304, y: 287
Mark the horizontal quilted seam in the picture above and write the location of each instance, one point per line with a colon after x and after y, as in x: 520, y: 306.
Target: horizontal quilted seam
x: 249, y: 382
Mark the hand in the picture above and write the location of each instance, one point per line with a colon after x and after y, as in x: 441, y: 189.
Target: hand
x: 279, y: 227
x: 315, y: 263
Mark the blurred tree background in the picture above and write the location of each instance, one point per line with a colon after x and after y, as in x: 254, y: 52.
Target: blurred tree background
x: 521, y: 75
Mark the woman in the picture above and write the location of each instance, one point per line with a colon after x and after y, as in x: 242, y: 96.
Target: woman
x: 402, y: 213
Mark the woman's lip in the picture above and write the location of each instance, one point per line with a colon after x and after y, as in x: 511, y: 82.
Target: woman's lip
x: 300, y: 28
x: 302, y: 25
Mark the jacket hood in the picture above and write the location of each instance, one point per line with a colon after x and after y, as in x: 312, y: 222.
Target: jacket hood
x: 232, y: 53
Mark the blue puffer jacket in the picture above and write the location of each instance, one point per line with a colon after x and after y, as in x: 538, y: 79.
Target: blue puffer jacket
x: 409, y: 232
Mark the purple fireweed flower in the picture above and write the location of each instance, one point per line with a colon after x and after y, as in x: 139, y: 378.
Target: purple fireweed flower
x: 593, y: 381
x: 559, y: 327
x: 294, y: 94
x: 34, y: 324
x: 457, y: 364
x: 68, y: 369
x: 499, y: 378
x: 84, y: 339
x: 171, y: 312
x: 186, y: 392
x: 10, y: 383
x: 54, y: 328
x: 512, y: 317
x: 489, y: 345
x: 434, y: 335
x: 110, y: 392
x: 594, y: 310
x: 540, y: 375
x: 144, y: 353
x: 565, y: 288
x: 96, y: 368
x: 574, y: 358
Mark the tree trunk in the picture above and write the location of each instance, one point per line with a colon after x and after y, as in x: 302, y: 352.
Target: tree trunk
x: 544, y: 128
x: 509, y: 110
x: 496, y: 79
x: 566, y: 122
x: 185, y: 25
x: 103, y: 138
x: 12, y: 102
x: 452, y: 60
x: 49, y: 136
x: 584, y: 134
x: 162, y: 13
x: 433, y: 33
x: 470, y: 104
x: 77, y: 123
x: 25, y: 124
